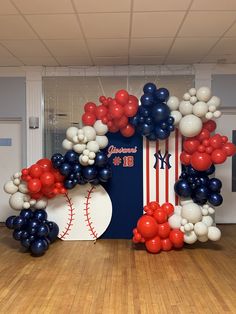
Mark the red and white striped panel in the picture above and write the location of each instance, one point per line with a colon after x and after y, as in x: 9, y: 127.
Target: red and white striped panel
x: 158, y: 184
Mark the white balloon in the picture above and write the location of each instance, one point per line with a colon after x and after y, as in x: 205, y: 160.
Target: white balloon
x: 214, y: 101
x: 173, y: 103
x: 10, y: 187
x: 102, y: 141
x: 204, y: 93
x: 93, y: 146
x: 204, y: 211
x: 184, y: 221
x: 193, y: 100
x: 89, y: 132
x: 91, y: 161
x: 86, y: 152
x: 191, y: 212
x: 23, y: 188
x: 66, y: 144
x: 71, y: 132
x: 175, y: 221
x: 212, y: 108
x: 41, y: 204
x: 200, y: 109
x: 190, y: 125
x: 208, y: 220
x: 76, y: 139
x: 26, y: 205
x: 83, y: 160
x: 211, y: 210
x: 32, y: 202
x: 178, y: 210
x: 217, y: 114
x: 17, y: 175
x: 79, y: 148
x: 186, y: 96
x: 200, y: 228
x: 184, y: 201
x: 100, y: 128
x: 209, y: 115
x: 16, y: 200
x: 16, y: 181
x: 203, y: 238
x: 214, y: 234
x: 190, y: 237
x: 185, y: 107
x: 192, y: 91
x: 177, y: 116
x: 187, y: 228
x: 92, y: 155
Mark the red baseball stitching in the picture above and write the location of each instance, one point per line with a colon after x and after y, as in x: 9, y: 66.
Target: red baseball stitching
x: 71, y: 213
x: 88, y: 221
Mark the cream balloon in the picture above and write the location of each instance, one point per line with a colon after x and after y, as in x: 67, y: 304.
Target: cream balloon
x: 200, y: 228
x: 190, y: 237
x: 89, y: 133
x: 10, y: 187
x: 193, y: 100
x: 102, y: 141
x: 79, y: 148
x: 66, y: 144
x: 16, y: 200
x: 23, y: 188
x: 200, y: 109
x: 209, y: 115
x: 203, y: 238
x: 214, y: 101
x: 214, y: 233
x: 100, y: 128
x: 184, y: 201
x: 41, y: 204
x: 208, y: 220
x: 192, y: 91
x: 93, y: 146
x: 217, y: 114
x: 204, y: 93
x: 190, y: 125
x: 71, y: 132
x: 186, y: 96
x: 185, y: 107
x: 177, y: 116
x: 175, y: 221
x: 191, y: 212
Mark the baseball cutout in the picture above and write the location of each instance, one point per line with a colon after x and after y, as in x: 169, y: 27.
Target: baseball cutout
x: 83, y: 213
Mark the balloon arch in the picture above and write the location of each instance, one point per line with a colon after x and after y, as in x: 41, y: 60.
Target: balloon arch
x: 162, y: 226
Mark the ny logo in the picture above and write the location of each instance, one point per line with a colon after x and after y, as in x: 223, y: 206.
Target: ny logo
x: 164, y: 159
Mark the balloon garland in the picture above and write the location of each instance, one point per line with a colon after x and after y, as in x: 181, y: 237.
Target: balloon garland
x: 85, y: 161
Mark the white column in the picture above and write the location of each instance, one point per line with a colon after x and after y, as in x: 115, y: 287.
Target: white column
x: 34, y: 108
x: 203, y: 73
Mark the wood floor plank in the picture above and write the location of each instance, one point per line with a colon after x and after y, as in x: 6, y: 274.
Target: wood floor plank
x: 112, y: 277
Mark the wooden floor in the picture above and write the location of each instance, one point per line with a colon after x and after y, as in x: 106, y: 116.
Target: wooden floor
x: 111, y: 277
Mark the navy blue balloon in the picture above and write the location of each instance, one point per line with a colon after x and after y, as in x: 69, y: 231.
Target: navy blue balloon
x: 204, y: 180
x: 147, y: 129
x: 76, y: 168
x: 65, y: 169
x: 134, y: 120
x: 170, y: 120
x: 211, y: 170
x: 148, y: 120
x: 25, y: 242
x: 95, y: 182
x: 147, y: 99
x: 152, y: 137
x: 40, y: 214
x: 162, y: 94
x: 24, y: 234
x: 17, y: 234
x: 182, y: 188
x: 162, y: 134
x: 144, y: 111
x: 18, y: 222
x: 104, y: 174
x: 81, y: 180
x: 191, y: 171
x: 101, y: 159
x: 54, y: 231
x: 149, y: 88
x: 57, y: 157
x: 171, y: 128
x: 32, y: 226
x: 160, y: 112
x: 163, y: 125
x: 141, y: 119
x: 26, y: 213
x: 32, y: 237
x: 42, y: 230
x: 215, y: 185
x: 71, y: 156
x: 215, y: 199
x: 201, y: 193
x: 89, y: 173
x: 70, y: 184
x: 9, y: 222
x: 37, y: 247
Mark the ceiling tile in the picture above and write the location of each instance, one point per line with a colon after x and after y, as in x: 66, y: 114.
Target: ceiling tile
x: 160, y: 5
x: 102, y: 6
x: 206, y: 24
x: 7, y: 7
x: 156, y: 24
x: 231, y: 31
x: 70, y: 61
x: 4, y: 52
x: 105, y: 25
x: 214, y: 5
x: 182, y: 60
x: 44, y: 6
x: 111, y: 60
x: 9, y: 62
x: 15, y: 27
x: 45, y: 61
x: 108, y: 47
x: 150, y: 46
x: 192, y: 47
x: 147, y: 60
x: 225, y: 46
x: 59, y: 26
x: 24, y: 48
x: 67, y: 48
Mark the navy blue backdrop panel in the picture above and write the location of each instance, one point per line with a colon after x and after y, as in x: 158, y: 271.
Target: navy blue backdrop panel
x: 126, y: 185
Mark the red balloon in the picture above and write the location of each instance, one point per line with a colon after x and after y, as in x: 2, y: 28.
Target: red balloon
x: 58, y: 177
x: 122, y: 122
x: 210, y: 125
x: 127, y: 131
x: 35, y: 171
x: 209, y: 150
x: 153, y: 245
x: 160, y: 216
x: 45, y: 164
x: 224, y: 139
x: 131, y: 108
x: 216, y: 141
x: 185, y: 158
x: 47, y: 190
x: 164, y: 230
x: 104, y: 120
x: 201, y: 161
x: 88, y: 118
x: 102, y: 99
x: 218, y: 156
x: 153, y: 205
x: 191, y: 145
x: 25, y: 171
x: 177, y: 238
x: 229, y: 149
x: 166, y: 244
x: 206, y: 143
x: 116, y: 111
x: 122, y: 97
x: 101, y: 111
x: 147, y: 226
x: 90, y: 107
x: 36, y: 196
x: 168, y: 208
x: 203, y: 135
x: 133, y: 100
x: 34, y: 185
x: 47, y: 179
x: 113, y: 128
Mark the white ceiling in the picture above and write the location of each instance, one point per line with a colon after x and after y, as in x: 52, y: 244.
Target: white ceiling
x: 116, y: 32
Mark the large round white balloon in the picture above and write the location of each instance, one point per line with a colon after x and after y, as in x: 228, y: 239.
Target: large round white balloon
x: 100, y: 128
x: 191, y: 212
x: 66, y: 144
x: 89, y: 133
x: 10, y: 187
x: 214, y: 234
x: 200, y: 109
x: 23, y: 188
x: 204, y: 93
x: 71, y: 132
x: 102, y: 141
x: 173, y: 103
x: 175, y: 221
x: 200, y: 229
x: 214, y: 101
x: 190, y: 237
x: 177, y: 116
x: 185, y: 107
x: 93, y: 146
x: 190, y: 125
x: 192, y: 91
x: 16, y: 200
